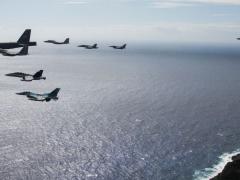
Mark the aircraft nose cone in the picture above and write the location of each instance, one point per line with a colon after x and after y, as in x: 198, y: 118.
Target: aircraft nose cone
x: 23, y: 93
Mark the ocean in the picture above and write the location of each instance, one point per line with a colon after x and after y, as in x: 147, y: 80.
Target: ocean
x: 147, y: 112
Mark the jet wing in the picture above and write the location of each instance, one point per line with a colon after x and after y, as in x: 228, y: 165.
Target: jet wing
x: 27, y: 78
x: 37, y: 97
x: 33, y: 96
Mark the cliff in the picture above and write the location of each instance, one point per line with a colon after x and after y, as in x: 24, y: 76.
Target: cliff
x: 231, y: 171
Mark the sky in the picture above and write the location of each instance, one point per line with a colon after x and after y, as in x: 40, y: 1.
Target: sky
x: 210, y: 21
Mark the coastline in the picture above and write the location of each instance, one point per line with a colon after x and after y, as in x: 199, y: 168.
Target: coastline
x: 212, y: 172
x: 231, y: 170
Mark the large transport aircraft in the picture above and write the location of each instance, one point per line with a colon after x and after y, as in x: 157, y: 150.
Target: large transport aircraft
x: 24, y: 40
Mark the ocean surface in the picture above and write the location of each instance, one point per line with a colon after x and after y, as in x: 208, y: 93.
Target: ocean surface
x: 147, y: 112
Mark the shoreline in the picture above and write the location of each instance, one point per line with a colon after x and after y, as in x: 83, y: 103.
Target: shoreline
x: 231, y: 170
x: 216, y: 169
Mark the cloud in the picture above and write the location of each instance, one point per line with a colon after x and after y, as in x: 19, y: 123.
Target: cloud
x: 201, y: 32
x: 163, y: 3
x: 230, y: 2
x: 187, y: 3
x: 177, y: 32
x: 159, y: 32
x: 222, y: 14
x: 74, y: 2
x: 171, y: 4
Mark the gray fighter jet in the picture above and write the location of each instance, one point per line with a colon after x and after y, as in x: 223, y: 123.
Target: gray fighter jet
x: 28, y: 77
x: 119, y: 47
x: 41, y: 97
x: 55, y: 42
x: 94, y: 46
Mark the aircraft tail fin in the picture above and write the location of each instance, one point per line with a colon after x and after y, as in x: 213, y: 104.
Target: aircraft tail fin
x: 124, y: 46
x: 55, y: 92
x: 38, y: 74
x: 95, y: 45
x: 25, y: 37
x: 66, y: 41
x: 24, y: 50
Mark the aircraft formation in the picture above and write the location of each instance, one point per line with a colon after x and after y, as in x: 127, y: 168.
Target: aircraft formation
x: 35, y: 96
x: 86, y: 46
x: 24, y: 42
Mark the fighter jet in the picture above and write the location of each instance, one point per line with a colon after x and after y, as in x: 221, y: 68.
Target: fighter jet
x: 22, y: 52
x: 28, y: 77
x: 41, y: 97
x: 119, y: 47
x: 238, y: 38
x: 55, y: 42
x: 94, y: 46
x: 22, y: 41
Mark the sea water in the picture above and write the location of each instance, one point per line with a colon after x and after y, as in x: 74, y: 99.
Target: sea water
x: 146, y: 112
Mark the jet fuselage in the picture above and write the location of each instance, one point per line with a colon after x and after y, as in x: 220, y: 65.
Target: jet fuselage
x: 54, y: 42
x: 12, y: 45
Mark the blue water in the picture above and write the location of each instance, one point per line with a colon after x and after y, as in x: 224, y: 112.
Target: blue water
x: 143, y: 113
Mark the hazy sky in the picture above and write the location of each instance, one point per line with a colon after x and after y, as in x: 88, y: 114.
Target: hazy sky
x: 138, y: 20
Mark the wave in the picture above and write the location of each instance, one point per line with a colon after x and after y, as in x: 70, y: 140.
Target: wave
x: 209, y: 173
